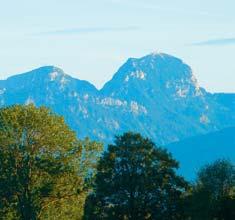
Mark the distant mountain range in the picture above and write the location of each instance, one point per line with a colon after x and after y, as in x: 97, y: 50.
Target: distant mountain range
x: 197, y: 151
x: 156, y: 95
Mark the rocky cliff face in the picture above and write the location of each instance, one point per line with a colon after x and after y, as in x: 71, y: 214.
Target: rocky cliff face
x: 156, y: 95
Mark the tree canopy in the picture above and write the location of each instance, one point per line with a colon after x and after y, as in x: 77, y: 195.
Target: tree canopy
x: 136, y: 180
x: 44, y: 166
x: 46, y: 172
x: 213, y: 195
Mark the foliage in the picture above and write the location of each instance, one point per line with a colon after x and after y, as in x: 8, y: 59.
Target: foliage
x: 213, y: 196
x: 41, y: 165
x: 47, y: 173
x: 136, y: 180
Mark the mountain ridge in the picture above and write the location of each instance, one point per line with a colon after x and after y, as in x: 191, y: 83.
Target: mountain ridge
x: 156, y: 95
x: 195, y: 152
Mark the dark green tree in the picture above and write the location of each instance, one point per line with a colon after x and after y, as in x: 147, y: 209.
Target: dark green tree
x: 213, y: 196
x: 136, y: 180
x: 41, y: 165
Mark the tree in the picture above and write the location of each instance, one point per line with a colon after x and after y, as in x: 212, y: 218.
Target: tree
x: 213, y: 196
x: 136, y: 180
x: 41, y: 164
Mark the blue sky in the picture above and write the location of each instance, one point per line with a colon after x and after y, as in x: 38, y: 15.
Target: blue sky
x: 90, y: 39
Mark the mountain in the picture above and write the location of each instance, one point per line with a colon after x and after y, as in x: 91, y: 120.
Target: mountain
x: 175, y: 106
x: 193, y: 153
x: 156, y: 95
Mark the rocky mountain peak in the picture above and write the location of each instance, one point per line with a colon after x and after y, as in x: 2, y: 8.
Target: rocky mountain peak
x: 154, y: 73
x: 156, y: 95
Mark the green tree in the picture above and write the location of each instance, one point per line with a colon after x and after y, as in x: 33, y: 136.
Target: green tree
x: 213, y: 196
x: 136, y: 180
x: 41, y: 165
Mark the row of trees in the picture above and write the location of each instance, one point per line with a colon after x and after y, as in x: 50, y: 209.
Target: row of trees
x: 47, y: 173
x: 137, y: 180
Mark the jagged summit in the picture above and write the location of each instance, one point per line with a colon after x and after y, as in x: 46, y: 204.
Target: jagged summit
x: 155, y: 72
x: 48, y: 69
x: 43, y: 71
x: 156, y: 95
x: 48, y: 74
x: 156, y: 62
x: 44, y: 80
x: 156, y: 54
x: 154, y: 57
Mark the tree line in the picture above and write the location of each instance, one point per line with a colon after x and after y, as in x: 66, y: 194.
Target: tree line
x: 46, y: 172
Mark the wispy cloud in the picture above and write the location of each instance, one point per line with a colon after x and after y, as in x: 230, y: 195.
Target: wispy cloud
x: 88, y: 30
x: 216, y: 42
x: 155, y: 6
